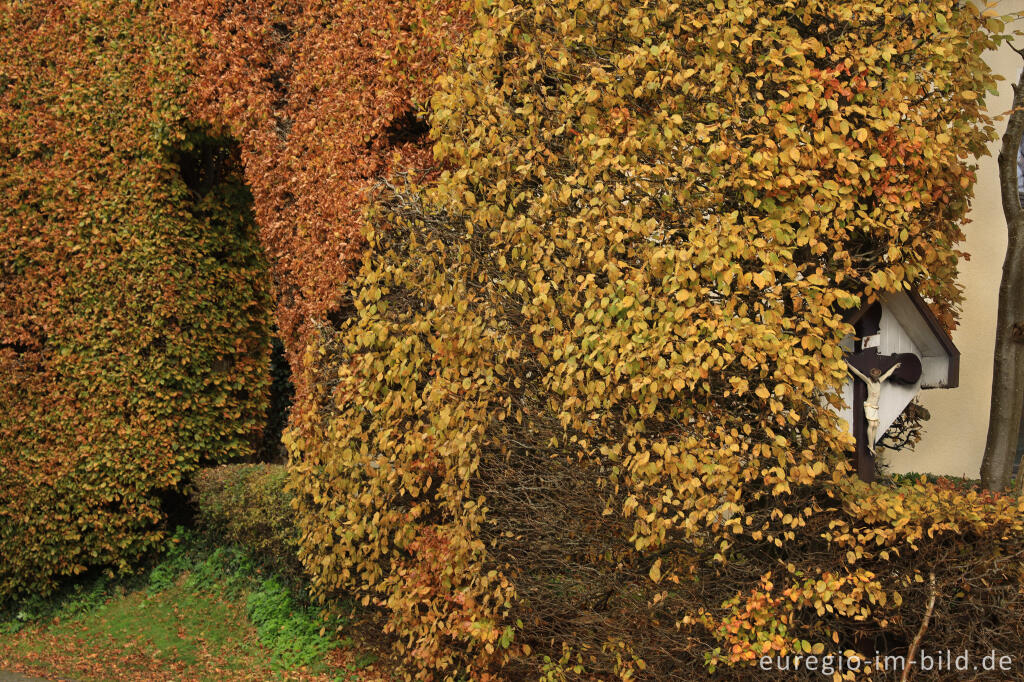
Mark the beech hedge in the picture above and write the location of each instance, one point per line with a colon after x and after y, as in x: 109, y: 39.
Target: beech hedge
x: 134, y: 298
x: 577, y: 423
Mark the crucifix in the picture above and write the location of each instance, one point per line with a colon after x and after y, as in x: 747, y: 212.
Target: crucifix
x: 874, y: 386
x: 898, y: 347
x: 873, y: 369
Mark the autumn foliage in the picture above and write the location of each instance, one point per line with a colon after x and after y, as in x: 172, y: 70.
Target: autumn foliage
x: 134, y: 301
x: 145, y: 142
x: 577, y: 423
x: 562, y: 286
x: 324, y: 99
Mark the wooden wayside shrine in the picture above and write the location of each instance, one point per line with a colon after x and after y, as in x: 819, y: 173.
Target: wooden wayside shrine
x: 899, y: 348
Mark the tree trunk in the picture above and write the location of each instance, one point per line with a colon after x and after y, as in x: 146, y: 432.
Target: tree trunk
x: 1008, y: 369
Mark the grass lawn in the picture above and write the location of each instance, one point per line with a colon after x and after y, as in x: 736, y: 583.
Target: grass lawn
x: 198, y: 615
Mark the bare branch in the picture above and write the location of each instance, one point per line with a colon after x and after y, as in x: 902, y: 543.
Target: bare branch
x: 912, y: 652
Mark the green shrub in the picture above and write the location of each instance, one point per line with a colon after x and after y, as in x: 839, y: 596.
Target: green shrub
x: 288, y: 629
x: 912, y: 478
x: 246, y: 505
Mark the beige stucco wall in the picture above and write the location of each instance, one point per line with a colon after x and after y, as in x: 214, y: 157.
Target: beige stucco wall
x: 954, y: 438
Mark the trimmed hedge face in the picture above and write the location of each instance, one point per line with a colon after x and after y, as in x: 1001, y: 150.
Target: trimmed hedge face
x: 134, y: 329
x: 113, y: 276
x: 578, y: 422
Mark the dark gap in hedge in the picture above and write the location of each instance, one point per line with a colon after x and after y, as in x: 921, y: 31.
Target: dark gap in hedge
x: 340, y: 313
x: 178, y: 508
x: 206, y: 160
x: 406, y: 128
x: 271, y: 448
x: 18, y: 347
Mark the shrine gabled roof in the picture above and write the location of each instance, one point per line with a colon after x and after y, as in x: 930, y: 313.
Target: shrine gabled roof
x: 921, y: 325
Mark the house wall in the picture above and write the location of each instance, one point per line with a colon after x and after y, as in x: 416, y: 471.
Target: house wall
x: 954, y: 438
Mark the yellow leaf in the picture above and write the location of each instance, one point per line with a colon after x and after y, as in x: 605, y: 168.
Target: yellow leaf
x: 656, y: 571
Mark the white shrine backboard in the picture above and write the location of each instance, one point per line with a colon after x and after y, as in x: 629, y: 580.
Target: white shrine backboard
x: 906, y: 326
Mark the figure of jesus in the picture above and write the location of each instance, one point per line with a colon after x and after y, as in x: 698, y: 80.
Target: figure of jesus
x: 874, y: 384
